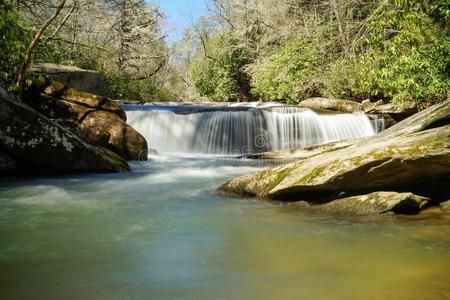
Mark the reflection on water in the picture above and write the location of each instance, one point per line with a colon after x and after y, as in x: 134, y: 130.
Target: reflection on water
x: 162, y: 233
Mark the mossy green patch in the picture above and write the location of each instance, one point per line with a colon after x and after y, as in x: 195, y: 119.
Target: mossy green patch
x: 311, y: 175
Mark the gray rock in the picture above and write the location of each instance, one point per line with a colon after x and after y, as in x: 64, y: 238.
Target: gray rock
x: 39, y: 145
x: 80, y: 79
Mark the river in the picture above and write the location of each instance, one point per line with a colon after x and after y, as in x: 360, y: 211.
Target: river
x: 162, y: 232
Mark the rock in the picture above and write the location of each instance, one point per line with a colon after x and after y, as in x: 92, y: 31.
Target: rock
x: 80, y: 79
x: 345, y: 106
x: 123, y: 139
x: 302, y: 204
x: 7, y: 164
x: 302, y: 152
x: 414, y: 153
x: 55, y: 99
x: 98, y: 121
x: 376, y: 203
x: 445, y: 206
x: 397, y: 112
x: 392, y: 113
x: 39, y: 145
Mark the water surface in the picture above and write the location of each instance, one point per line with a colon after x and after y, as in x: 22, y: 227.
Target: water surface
x: 162, y: 233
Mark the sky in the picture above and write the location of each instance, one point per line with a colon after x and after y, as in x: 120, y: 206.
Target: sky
x: 179, y: 15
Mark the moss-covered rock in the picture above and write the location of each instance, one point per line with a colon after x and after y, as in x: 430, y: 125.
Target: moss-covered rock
x: 413, y: 153
x: 376, y: 203
x: 37, y: 144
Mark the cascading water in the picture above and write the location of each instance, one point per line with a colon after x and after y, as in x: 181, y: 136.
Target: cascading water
x: 249, y: 130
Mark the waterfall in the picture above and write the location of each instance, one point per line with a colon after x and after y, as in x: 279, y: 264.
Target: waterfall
x: 250, y: 130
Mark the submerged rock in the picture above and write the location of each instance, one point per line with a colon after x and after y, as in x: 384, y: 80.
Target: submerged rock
x: 7, y: 164
x: 415, y: 154
x: 98, y: 121
x: 37, y: 144
x: 377, y: 203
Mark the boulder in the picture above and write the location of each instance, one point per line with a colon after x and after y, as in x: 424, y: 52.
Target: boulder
x: 38, y: 144
x: 97, y: 120
x: 80, y: 79
x: 123, y: 139
x: 413, y: 154
x: 376, y: 203
x: 345, y: 106
x: 391, y: 113
x: 7, y: 164
x: 397, y: 112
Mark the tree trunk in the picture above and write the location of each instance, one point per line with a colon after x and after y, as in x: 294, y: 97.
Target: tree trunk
x: 21, y: 79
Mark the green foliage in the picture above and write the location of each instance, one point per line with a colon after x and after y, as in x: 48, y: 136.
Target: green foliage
x: 290, y: 73
x: 121, y: 87
x: 405, y: 56
x: 394, y: 50
x: 14, y: 36
x: 221, y: 75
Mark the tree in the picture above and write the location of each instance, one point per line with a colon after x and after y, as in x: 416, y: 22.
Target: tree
x: 21, y: 79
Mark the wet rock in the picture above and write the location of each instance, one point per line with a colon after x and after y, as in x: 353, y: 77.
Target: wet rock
x: 376, y: 203
x: 414, y: 153
x: 38, y: 144
x: 7, y: 164
x: 98, y: 121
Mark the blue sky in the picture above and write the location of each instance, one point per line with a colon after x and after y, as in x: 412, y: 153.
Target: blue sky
x: 179, y: 14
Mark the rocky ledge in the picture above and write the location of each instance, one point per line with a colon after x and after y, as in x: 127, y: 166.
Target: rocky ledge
x: 412, y: 156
